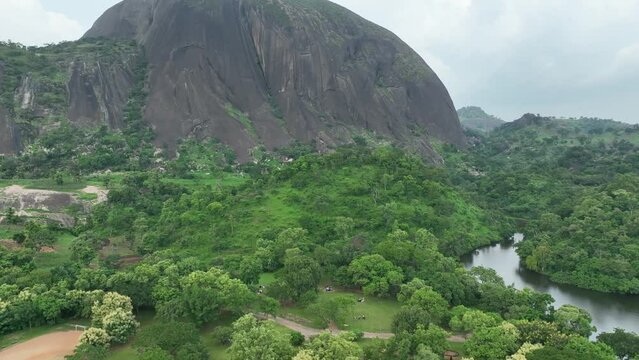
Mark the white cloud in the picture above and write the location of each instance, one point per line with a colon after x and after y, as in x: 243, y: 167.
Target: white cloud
x: 568, y: 57
x: 28, y: 22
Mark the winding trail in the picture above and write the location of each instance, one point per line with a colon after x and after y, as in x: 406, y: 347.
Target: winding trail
x: 309, y: 332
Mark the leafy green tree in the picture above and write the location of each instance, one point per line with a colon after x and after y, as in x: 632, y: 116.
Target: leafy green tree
x: 577, y: 348
x: 289, y: 239
x: 326, y: 346
x: 250, y: 270
x: 95, y: 337
x: 477, y: 319
x: 120, y: 325
x: 336, y: 308
x: 37, y: 236
x: 137, y: 284
x: 114, y: 313
x: 375, y: 275
x: 433, y: 337
x: 297, y: 339
x: 301, y: 274
x: 11, y: 216
x: 525, y: 349
x: 537, y: 331
x: 425, y: 353
x: 89, y: 352
x: 493, y: 343
x: 109, y: 303
x: 203, y: 296
x: 168, y: 336
x: 82, y: 252
x: 625, y: 344
x: 422, y: 306
x: 573, y: 320
x: 407, y: 290
x: 257, y: 340
x: 154, y: 353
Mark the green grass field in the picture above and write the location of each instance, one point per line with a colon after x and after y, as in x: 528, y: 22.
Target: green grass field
x: 379, y: 313
x: 7, y: 231
x: 267, y: 278
x: 215, y: 180
x: 61, y: 255
x: 457, y: 347
x: 69, y: 185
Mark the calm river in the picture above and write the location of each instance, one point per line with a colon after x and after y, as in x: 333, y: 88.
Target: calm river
x: 608, y: 311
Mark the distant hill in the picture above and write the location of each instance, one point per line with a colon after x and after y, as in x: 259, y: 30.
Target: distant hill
x: 475, y: 118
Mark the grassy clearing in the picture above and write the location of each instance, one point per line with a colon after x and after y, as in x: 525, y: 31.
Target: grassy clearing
x: 69, y: 184
x: 118, y: 246
x: 379, y: 313
x: 61, y: 255
x: 7, y: 231
x: 216, y: 180
x: 28, y: 334
x: 267, y: 278
x: 457, y: 347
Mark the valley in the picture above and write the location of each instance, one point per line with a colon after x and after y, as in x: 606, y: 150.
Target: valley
x: 286, y: 180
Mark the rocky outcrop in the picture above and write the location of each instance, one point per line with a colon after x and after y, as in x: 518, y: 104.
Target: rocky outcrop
x: 8, y: 139
x: 47, y: 204
x: 266, y: 72
x: 99, y: 91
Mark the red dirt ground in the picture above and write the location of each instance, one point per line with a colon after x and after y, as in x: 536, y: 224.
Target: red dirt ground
x: 54, y: 346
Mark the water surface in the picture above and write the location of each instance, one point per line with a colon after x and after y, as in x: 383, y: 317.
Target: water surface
x: 608, y: 311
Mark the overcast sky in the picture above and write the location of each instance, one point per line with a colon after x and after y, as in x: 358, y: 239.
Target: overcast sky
x: 554, y: 57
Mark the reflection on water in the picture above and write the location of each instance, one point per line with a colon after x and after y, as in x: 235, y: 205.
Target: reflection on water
x: 608, y: 311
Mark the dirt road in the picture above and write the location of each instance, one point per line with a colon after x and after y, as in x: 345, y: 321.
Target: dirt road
x: 308, y: 331
x: 54, y: 346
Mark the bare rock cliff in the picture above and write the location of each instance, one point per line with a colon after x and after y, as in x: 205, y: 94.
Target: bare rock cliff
x: 266, y: 72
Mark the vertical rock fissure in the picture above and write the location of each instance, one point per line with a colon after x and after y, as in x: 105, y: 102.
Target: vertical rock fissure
x: 248, y: 43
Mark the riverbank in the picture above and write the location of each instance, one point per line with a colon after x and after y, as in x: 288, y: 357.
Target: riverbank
x: 608, y: 311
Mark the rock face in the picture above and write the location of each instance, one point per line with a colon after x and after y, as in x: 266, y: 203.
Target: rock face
x: 267, y: 72
x: 8, y: 140
x: 98, y: 94
x: 47, y: 204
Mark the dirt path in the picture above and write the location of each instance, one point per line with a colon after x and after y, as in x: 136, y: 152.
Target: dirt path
x: 457, y: 338
x: 54, y: 346
x: 308, y: 331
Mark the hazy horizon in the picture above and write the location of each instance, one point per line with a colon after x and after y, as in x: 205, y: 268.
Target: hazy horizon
x: 571, y: 58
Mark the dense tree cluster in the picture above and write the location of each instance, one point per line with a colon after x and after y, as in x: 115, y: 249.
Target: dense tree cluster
x: 571, y: 186
x: 371, y: 220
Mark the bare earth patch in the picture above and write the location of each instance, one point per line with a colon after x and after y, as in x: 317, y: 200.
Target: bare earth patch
x: 47, y: 249
x: 54, y: 346
x: 12, y: 245
x: 101, y: 193
x: 9, y: 244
